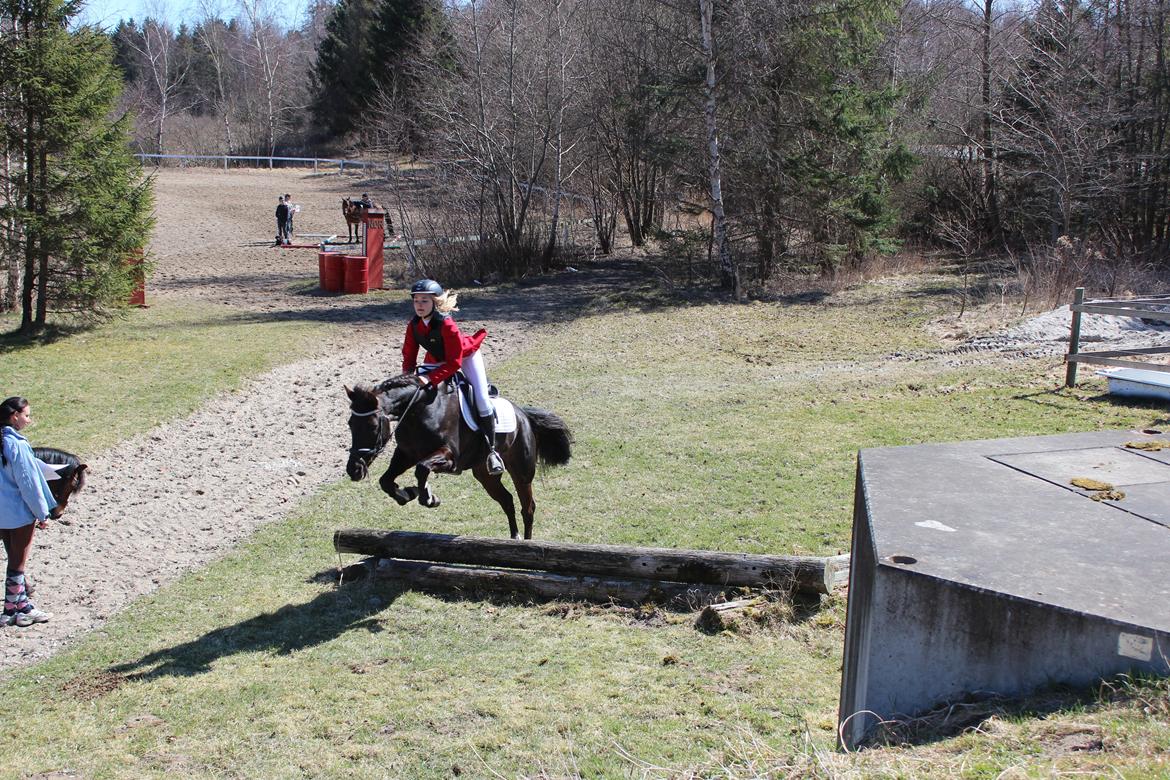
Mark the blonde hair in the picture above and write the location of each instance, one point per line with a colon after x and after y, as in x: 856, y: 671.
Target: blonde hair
x: 447, y: 302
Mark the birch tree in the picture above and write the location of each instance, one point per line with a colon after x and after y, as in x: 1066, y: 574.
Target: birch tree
x: 728, y: 272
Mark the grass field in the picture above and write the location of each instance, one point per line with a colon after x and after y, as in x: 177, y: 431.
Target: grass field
x: 95, y: 387
x: 711, y: 426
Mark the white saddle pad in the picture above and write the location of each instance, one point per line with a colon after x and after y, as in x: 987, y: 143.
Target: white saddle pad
x: 505, y: 414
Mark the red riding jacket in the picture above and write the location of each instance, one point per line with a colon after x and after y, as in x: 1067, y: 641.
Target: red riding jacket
x: 444, y: 344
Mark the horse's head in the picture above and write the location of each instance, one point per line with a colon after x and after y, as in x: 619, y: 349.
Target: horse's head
x: 370, y: 412
x: 70, y: 480
x: 369, y: 426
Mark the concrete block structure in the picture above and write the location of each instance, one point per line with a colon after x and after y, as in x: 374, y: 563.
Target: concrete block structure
x: 979, y: 567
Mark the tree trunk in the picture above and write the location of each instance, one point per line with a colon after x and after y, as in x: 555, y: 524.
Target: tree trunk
x: 43, y: 247
x: 990, y: 195
x: 32, y: 233
x: 728, y: 273
x: 802, y: 573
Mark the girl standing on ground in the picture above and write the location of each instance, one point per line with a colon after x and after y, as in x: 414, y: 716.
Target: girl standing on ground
x: 25, y: 501
x: 433, y: 328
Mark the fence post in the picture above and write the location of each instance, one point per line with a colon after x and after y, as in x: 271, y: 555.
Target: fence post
x: 1074, y: 337
x: 225, y: 162
x: 314, y: 165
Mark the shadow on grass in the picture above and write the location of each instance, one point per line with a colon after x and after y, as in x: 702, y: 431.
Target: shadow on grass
x: 14, y: 340
x: 603, y: 287
x: 288, y: 630
x: 1051, y: 396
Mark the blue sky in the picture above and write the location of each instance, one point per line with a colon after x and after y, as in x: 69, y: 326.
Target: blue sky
x: 107, y: 13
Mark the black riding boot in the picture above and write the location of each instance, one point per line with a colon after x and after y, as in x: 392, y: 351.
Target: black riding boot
x: 487, y: 424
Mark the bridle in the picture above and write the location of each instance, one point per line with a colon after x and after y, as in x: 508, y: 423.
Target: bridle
x: 383, y: 421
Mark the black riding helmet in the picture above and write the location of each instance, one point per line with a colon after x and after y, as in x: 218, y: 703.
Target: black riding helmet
x: 428, y: 286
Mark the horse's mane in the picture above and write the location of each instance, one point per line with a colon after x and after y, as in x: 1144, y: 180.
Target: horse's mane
x: 365, y: 397
x: 56, y: 457
x: 396, y: 382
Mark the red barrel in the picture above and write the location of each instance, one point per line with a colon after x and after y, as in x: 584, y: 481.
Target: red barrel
x: 334, y: 278
x: 356, y: 274
x: 321, y: 258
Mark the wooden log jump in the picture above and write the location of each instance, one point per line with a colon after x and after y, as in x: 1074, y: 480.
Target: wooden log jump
x: 647, y: 565
x: 543, y: 584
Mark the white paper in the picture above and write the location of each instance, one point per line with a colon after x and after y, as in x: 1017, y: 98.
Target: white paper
x: 50, y: 470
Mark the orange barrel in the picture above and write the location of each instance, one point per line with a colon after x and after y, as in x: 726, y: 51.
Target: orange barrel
x: 321, y: 258
x: 356, y: 270
x: 334, y: 272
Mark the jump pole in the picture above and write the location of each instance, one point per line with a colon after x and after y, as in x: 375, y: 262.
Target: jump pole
x: 806, y: 574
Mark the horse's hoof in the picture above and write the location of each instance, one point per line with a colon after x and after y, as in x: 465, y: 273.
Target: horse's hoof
x: 402, y: 495
x: 429, y: 499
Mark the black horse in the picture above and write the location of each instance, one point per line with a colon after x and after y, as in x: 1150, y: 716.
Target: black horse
x: 433, y: 436
x: 70, y: 479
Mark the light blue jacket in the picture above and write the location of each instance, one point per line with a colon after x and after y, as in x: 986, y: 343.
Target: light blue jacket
x: 24, y: 494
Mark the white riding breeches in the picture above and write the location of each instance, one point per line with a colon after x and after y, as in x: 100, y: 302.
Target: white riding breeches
x: 476, y: 374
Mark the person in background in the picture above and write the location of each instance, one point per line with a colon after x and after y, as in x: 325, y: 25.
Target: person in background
x: 25, y: 502
x: 292, y: 213
x: 281, y: 221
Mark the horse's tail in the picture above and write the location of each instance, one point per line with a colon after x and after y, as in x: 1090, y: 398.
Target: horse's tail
x: 553, y: 439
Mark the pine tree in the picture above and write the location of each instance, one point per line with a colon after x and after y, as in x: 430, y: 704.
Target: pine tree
x: 346, y: 66
x: 80, y: 204
x: 400, y: 26
x: 815, y: 155
x: 366, y: 56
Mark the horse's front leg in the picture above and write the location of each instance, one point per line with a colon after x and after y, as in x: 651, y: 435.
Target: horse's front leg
x: 399, y: 463
x: 426, y: 496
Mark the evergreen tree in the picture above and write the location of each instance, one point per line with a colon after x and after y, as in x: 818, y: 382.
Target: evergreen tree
x: 400, y: 26
x: 367, y: 59
x: 345, y: 74
x: 80, y: 204
x: 814, y: 155
x: 127, y: 42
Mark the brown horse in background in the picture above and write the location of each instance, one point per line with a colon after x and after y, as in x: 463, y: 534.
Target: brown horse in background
x: 353, y: 211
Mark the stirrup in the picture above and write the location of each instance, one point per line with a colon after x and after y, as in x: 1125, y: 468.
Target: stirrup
x: 495, y: 464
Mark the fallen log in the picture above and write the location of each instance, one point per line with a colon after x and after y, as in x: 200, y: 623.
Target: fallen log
x: 806, y: 574
x: 837, y: 571
x: 473, y: 580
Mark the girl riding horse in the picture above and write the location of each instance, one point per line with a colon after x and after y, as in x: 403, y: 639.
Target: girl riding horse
x: 447, y: 350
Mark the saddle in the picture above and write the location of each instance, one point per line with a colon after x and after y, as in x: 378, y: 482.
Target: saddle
x: 505, y: 412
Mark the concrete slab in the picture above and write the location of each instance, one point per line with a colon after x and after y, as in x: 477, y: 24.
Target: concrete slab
x: 978, y: 567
